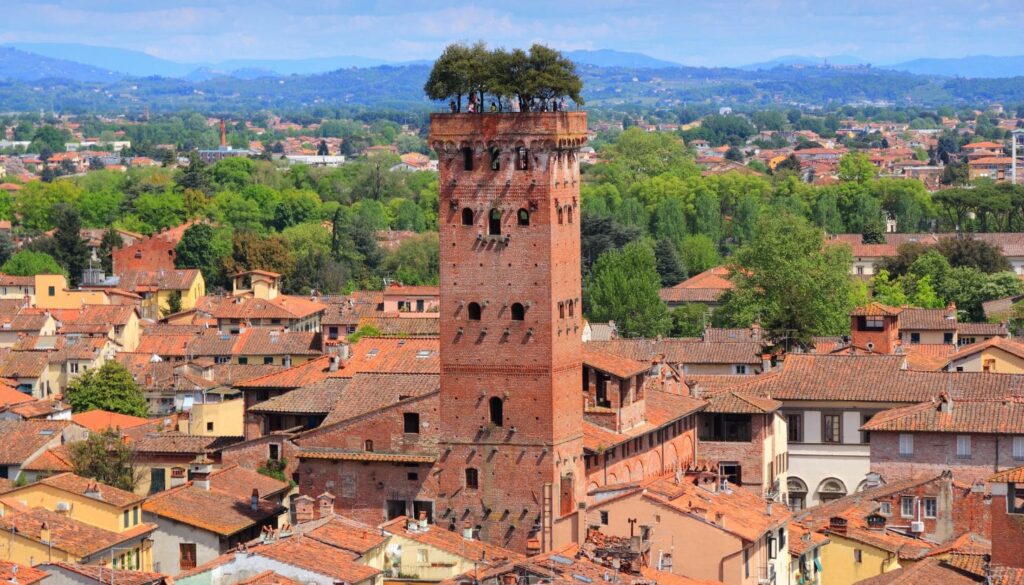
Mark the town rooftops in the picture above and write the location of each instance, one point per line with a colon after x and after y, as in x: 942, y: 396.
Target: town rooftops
x: 943, y: 415
x: 173, y: 442
x: 451, y: 542
x: 280, y: 307
x: 221, y: 508
x: 1015, y: 475
x: 316, y: 398
x: 972, y: 329
x: 928, y: 319
x: 305, y: 374
x: 1011, y: 347
x: 683, y: 350
x: 876, y: 309
x: 317, y: 557
x: 24, y: 438
x: 393, y: 355
x: 368, y: 392
x: 88, y: 316
x: 104, y: 575
x: 611, y: 363
x: 98, y: 420
x: 931, y: 570
x: 90, y: 488
x: 67, y: 534
x: 53, y: 460
x: 706, y: 287
x: 15, y: 574
x: 344, y: 533
x: 23, y: 364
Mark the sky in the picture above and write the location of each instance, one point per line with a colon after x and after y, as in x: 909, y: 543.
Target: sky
x: 706, y: 33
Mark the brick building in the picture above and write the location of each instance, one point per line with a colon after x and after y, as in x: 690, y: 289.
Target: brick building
x: 1008, y: 517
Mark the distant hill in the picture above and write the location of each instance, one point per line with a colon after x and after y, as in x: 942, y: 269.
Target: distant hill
x: 131, y: 62
x: 976, y: 66
x: 18, y: 65
x: 611, y: 58
x: 804, y: 61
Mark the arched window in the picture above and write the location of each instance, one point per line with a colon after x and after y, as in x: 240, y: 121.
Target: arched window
x: 474, y: 311
x: 561, y: 310
x: 561, y: 216
x: 467, y: 158
x: 572, y: 311
x: 467, y: 216
x: 368, y: 446
x: 831, y: 489
x: 495, y: 158
x: 497, y: 411
x: 472, y: 479
x: 524, y: 217
x: 797, y: 494
x: 568, y: 211
x: 494, y: 222
x: 522, y: 158
x: 518, y: 312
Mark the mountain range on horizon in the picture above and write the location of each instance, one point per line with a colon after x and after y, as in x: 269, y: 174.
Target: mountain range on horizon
x: 97, y: 63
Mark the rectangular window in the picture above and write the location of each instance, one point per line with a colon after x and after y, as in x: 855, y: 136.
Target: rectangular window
x: 906, y: 445
x: 411, y: 422
x: 741, y: 369
x: 795, y: 427
x: 731, y: 471
x: 865, y: 436
x: 931, y: 507
x: 831, y: 428
x: 963, y: 446
x: 186, y: 556
x: 857, y: 556
x: 604, y: 517
x: 209, y: 427
x: 907, y: 506
x: 467, y: 159
x: 156, y: 480
x: 268, y: 361
x: 243, y: 361
x: 126, y: 519
x: 275, y: 452
x: 1018, y: 448
x: 135, y: 516
x: 422, y: 556
x: 947, y: 337
x: 915, y: 338
x: 885, y: 509
x: 51, y: 291
x: 874, y: 323
x: 1015, y: 499
x: 725, y: 427
x: 566, y: 497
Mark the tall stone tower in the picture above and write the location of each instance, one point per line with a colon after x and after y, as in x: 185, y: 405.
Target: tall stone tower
x: 511, y: 465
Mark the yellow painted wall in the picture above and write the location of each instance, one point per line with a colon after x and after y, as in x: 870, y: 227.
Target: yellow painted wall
x: 1004, y: 362
x: 18, y: 549
x: 188, y: 297
x: 839, y: 566
x: 63, y: 298
x: 427, y: 563
x: 131, y: 334
x: 257, y: 360
x: 93, y: 512
x: 228, y: 419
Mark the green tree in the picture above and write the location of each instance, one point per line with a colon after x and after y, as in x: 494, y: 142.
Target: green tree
x: 251, y: 251
x: 416, y: 261
x: 975, y: 253
x: 111, y: 388
x: 71, y: 251
x: 699, y: 253
x: 107, y: 458
x: 796, y: 286
x: 689, y: 320
x: 669, y: 266
x: 364, y: 331
x: 111, y: 241
x: 623, y: 286
x: 205, y: 248
x: 30, y: 263
x: 856, y: 167
x: 173, y: 304
x: 194, y: 176
x: 888, y: 291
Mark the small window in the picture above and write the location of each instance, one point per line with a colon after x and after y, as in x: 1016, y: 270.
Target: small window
x: 1015, y: 499
x: 474, y: 310
x: 561, y: 216
x: 741, y: 369
x: 494, y: 222
x: 874, y: 323
x: 411, y: 422
x: 523, y: 217
x: 497, y: 411
x: 963, y: 446
x: 268, y: 361
x: 467, y: 159
x: 472, y: 479
x: 243, y: 361
x: 907, y: 506
x: 412, y: 476
x: 906, y: 445
x: 857, y: 557
x: 522, y: 158
x: 561, y: 310
x: 495, y: 158
x: 368, y: 445
x: 467, y: 216
x: 51, y: 291
x: 135, y: 515
x: 604, y: 517
x: 518, y: 312
x: 209, y: 427
x: 568, y: 213
x: 275, y: 452
x: 947, y: 337
x: 885, y: 509
x: 931, y: 507
x: 126, y: 518
x: 795, y: 427
x: 915, y: 338
x: 1018, y: 448
x: 831, y: 431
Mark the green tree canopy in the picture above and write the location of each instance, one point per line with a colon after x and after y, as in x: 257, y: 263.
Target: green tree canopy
x: 29, y: 263
x: 106, y: 458
x: 111, y: 388
x: 623, y: 286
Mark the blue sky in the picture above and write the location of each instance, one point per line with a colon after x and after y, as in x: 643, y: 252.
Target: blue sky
x: 727, y: 32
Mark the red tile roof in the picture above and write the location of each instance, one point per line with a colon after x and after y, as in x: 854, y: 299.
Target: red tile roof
x: 876, y: 309
x: 922, y: 572
x: 683, y: 350
x: 317, y: 557
x: 54, y: 460
x: 76, y: 484
x: 23, y: 438
x: 20, y: 574
x: 964, y: 416
x: 281, y: 307
x: 708, y: 286
x: 306, y: 374
x: 393, y: 355
x: 1011, y: 347
x: 67, y: 534
x: 451, y: 542
x: 928, y: 319
x: 211, y: 509
x: 369, y: 392
x: 610, y: 363
x: 100, y: 420
x: 344, y: 533
x: 316, y: 398
x: 1015, y: 475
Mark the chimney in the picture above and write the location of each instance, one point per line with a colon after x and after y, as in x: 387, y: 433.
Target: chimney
x: 423, y: 522
x: 201, y: 470
x: 44, y: 532
x: 254, y: 500
x: 304, y: 509
x: 467, y: 531
x: 177, y: 476
x: 766, y: 363
x: 335, y: 362
x: 93, y: 491
x: 944, y: 514
x: 325, y: 505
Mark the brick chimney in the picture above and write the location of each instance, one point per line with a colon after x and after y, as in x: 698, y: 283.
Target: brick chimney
x: 325, y: 505
x: 177, y: 476
x: 201, y: 470
x: 304, y: 510
x: 254, y: 500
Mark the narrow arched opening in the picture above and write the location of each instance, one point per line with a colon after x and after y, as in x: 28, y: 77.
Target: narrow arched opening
x: 473, y: 311
x: 518, y: 312
x: 467, y: 216
x: 494, y: 222
x: 497, y: 411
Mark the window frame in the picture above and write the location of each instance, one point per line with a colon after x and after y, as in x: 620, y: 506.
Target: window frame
x: 906, y: 440
x: 963, y: 447
x: 411, y: 420
x: 930, y: 502
x: 795, y: 433
x: 904, y: 501
x: 836, y: 430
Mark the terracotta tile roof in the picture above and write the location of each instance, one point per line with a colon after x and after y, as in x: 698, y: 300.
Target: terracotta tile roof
x: 1015, y: 475
x: 411, y: 326
x: 239, y: 482
x: 165, y: 346
x: 39, y: 408
x: 211, y: 509
x: 399, y: 290
x: 965, y: 416
x: 876, y: 310
x: 10, y: 395
x: 263, y: 341
x: 281, y: 307
x: 928, y: 357
x: 20, y: 574
x: 722, y: 335
x: 13, y: 280
x: 66, y: 533
x: 269, y: 578
x: 610, y: 363
x: 150, y: 280
x: 393, y: 355
x: 683, y: 350
x: 75, y: 484
x: 94, y: 315
x: 317, y: 557
x: 1011, y: 347
x: 731, y: 401
x: 707, y: 384
x: 802, y: 540
x: 306, y: 374
x: 102, y: 575
x: 664, y: 407
x: 991, y: 160
x: 54, y: 460
x: 349, y: 310
x: 344, y: 533
x: 172, y: 442
x: 451, y: 542
x: 737, y: 511
x: 921, y: 572
x: 708, y: 286
x: 23, y: 438
x: 23, y: 364
x: 372, y: 391
x: 928, y: 319
x: 969, y: 329
x: 24, y: 321
x: 968, y: 543
x: 316, y: 398
x: 985, y: 144
x: 101, y: 420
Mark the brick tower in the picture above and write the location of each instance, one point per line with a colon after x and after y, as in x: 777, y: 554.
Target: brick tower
x: 511, y: 465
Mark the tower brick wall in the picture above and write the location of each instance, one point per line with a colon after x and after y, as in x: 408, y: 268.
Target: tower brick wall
x: 510, y: 327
